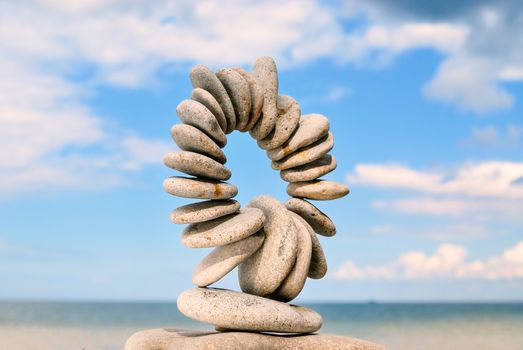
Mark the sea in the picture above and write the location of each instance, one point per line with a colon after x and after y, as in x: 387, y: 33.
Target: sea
x: 402, y: 326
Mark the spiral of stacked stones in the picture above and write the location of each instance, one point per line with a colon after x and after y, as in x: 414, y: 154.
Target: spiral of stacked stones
x: 274, y: 245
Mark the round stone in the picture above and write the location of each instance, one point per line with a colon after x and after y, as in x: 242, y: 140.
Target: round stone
x: 238, y: 90
x: 241, y: 311
x: 311, y: 128
x: 194, y: 113
x: 189, y: 138
x: 199, y: 188
x: 203, y: 77
x: 224, y: 230
x: 294, y: 282
x: 266, y: 269
x: 204, y: 211
x: 310, y: 171
x: 306, y: 154
x: 256, y: 92
x: 317, y: 189
x: 319, y: 221
x: 266, y: 73
x: 196, y: 164
x: 225, y: 258
x: 208, y: 100
x: 288, y: 118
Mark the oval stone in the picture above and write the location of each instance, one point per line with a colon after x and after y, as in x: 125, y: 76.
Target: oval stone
x: 238, y: 90
x: 208, y: 100
x: 241, y: 311
x: 318, y: 265
x: 317, y: 189
x: 306, y: 154
x: 189, y: 138
x: 194, y: 113
x: 319, y: 221
x: 310, y: 171
x: 225, y: 258
x: 265, y: 270
x: 196, y: 164
x: 203, y: 211
x: 203, y: 77
x: 311, y: 128
x: 199, y: 188
x: 294, y: 282
x: 288, y: 118
x: 256, y: 92
x: 224, y: 230
x: 265, y: 72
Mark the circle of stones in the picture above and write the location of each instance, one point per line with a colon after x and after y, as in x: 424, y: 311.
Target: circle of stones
x: 274, y: 245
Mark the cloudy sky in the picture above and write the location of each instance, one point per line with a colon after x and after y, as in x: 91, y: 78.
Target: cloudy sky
x: 425, y: 103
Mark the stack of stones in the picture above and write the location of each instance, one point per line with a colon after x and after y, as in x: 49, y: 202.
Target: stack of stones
x: 274, y: 245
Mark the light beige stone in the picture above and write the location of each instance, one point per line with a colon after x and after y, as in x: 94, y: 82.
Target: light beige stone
x: 266, y: 73
x: 224, y: 230
x: 203, y: 77
x: 208, y: 100
x: 256, y: 92
x: 225, y: 258
x: 294, y: 282
x: 194, y: 113
x: 311, y: 128
x: 265, y: 270
x: 286, y: 123
x: 238, y: 90
x: 196, y: 164
x: 306, y: 154
x: 199, y: 188
x: 310, y: 171
x: 246, y: 312
x: 172, y: 339
x: 318, y: 265
x: 204, y: 211
x: 189, y: 138
x: 318, y: 220
x: 317, y: 189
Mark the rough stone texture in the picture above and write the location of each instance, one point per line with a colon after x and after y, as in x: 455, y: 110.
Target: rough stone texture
x: 317, y: 189
x: 224, y: 230
x: 256, y: 92
x: 238, y: 90
x: 288, y: 119
x: 266, y: 73
x: 194, y: 113
x: 196, y: 164
x: 203, y: 77
x: 264, y: 271
x: 310, y: 171
x: 294, y: 282
x: 172, y: 339
x: 199, y: 188
x: 189, y: 138
x: 311, y: 128
x: 240, y: 311
x: 203, y: 211
x: 306, y: 154
x: 318, y: 265
x: 318, y: 220
x: 225, y: 258
x: 208, y: 100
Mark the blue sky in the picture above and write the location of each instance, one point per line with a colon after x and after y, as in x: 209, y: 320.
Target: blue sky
x: 424, y: 103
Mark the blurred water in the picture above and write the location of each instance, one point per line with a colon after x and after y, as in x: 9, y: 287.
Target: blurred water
x: 68, y: 325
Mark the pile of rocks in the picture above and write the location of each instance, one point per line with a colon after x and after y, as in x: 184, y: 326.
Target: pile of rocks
x: 274, y: 245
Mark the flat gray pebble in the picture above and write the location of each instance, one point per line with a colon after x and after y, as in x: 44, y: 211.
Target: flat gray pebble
x: 189, y: 138
x: 310, y: 171
x: 208, y: 100
x: 319, y: 221
x: 194, y: 113
x: 224, y: 230
x: 238, y: 90
x: 317, y: 189
x: 318, y: 265
x: 204, y: 211
x: 265, y: 72
x: 256, y: 92
x: 306, y: 154
x: 286, y: 123
x: 199, y: 188
x: 196, y: 164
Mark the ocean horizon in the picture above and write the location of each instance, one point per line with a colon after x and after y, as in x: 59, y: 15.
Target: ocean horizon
x: 105, y: 325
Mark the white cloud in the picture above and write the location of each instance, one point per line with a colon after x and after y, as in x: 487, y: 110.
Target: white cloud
x: 453, y: 231
x: 487, y: 179
x: 490, y: 136
x: 449, y: 261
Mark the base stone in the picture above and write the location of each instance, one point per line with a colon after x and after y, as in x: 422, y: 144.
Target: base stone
x: 173, y: 339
